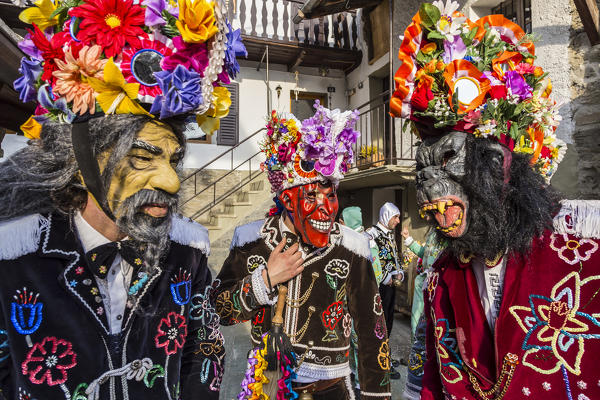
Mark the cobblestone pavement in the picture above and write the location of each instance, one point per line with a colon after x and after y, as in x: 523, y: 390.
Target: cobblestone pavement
x: 237, y: 342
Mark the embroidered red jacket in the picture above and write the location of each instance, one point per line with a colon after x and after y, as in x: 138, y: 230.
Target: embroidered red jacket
x: 547, y: 335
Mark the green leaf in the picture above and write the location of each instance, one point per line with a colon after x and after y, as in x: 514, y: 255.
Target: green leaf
x: 514, y: 131
x: 157, y: 371
x: 429, y: 14
x: 79, y: 393
x: 169, y: 31
x: 435, y: 35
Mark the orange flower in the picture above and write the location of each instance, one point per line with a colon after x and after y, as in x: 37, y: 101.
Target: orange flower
x: 72, y: 74
x: 429, y: 48
x: 440, y: 65
x: 423, y: 78
x: 538, y: 71
x: 430, y: 67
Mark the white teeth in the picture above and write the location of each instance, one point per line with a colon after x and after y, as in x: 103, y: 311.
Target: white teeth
x: 320, y: 225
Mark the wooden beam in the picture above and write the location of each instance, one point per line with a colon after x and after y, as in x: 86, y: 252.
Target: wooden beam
x: 334, y: 7
x: 588, y: 12
x: 298, y: 61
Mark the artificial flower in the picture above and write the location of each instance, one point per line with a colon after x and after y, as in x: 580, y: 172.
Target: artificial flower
x: 429, y: 48
x: 110, y: 23
x: 115, y: 95
x: 29, y: 48
x: 58, y: 107
x: 209, y: 121
x: 491, y: 76
x: 423, y: 78
x: 40, y: 14
x: 196, y: 21
x: 506, y: 61
x: 538, y: 71
x: 181, y: 92
x: 450, y: 23
x: 25, y: 85
x: 192, y: 56
x: 31, y: 128
x: 72, y: 78
x: 127, y: 68
x: 448, y: 8
x: 235, y: 48
x: 498, y: 92
x: 154, y: 11
x: 51, y: 51
x: 516, y: 85
x: 454, y: 49
x: 421, y: 97
x: 525, y: 68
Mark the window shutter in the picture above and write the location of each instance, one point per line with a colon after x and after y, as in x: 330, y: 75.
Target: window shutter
x: 228, y: 132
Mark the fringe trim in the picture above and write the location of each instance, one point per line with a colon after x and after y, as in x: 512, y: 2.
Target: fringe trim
x: 583, y: 221
x: 20, y: 236
x: 248, y: 233
x: 189, y: 233
x: 357, y: 243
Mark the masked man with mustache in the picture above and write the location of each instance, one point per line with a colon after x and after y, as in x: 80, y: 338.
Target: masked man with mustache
x: 325, y: 266
x: 105, y: 292
x: 512, y: 303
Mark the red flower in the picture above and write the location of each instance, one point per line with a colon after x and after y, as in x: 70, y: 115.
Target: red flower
x: 498, y: 92
x: 110, y: 24
x: 332, y: 314
x: 51, y: 49
x: 48, y: 361
x: 420, y: 98
x: 171, y: 333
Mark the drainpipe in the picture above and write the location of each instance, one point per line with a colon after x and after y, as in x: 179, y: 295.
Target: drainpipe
x: 306, y: 9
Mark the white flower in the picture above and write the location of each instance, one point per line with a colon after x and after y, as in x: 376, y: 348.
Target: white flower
x: 581, y: 385
x: 448, y: 25
x: 487, y: 129
x: 546, y: 386
x: 447, y: 9
x: 526, y: 391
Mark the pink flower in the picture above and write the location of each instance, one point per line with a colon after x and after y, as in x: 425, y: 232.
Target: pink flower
x: 48, y: 361
x: 524, y: 68
x: 193, y: 56
x: 572, y: 251
x: 172, y: 332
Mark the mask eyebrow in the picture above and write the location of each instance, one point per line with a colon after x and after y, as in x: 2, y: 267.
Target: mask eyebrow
x: 140, y: 144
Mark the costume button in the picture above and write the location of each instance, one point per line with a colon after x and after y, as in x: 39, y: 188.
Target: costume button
x: 119, y: 317
x: 113, y: 272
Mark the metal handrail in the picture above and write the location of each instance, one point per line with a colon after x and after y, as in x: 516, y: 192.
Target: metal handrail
x: 374, y: 99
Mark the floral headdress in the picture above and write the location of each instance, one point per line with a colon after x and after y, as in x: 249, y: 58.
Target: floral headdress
x: 477, y: 77
x: 88, y: 57
x: 319, y: 149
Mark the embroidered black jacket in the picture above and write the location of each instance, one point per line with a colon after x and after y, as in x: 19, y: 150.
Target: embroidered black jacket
x: 336, y: 286
x: 54, y: 336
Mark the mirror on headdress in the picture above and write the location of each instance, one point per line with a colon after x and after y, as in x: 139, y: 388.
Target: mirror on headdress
x: 467, y: 90
x: 144, y: 64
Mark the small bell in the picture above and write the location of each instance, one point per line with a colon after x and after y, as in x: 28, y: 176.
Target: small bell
x: 305, y: 396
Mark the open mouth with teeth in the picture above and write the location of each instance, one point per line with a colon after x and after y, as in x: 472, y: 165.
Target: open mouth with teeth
x: 448, y: 212
x: 321, y: 226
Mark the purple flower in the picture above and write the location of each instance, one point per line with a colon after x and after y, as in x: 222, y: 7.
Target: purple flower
x: 45, y: 98
x: 31, y: 70
x: 192, y: 56
x: 154, y: 9
x: 490, y: 76
x: 181, y: 92
x: 454, y: 49
x: 235, y: 48
x: 26, y: 45
x: 517, y: 85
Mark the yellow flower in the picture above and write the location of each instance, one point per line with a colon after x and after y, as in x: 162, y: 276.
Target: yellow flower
x: 31, y: 128
x: 429, y: 48
x: 209, y: 121
x: 538, y: 71
x: 196, y: 21
x: 40, y: 14
x: 115, y: 96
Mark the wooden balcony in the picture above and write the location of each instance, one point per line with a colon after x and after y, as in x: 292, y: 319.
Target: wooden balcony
x: 327, y: 41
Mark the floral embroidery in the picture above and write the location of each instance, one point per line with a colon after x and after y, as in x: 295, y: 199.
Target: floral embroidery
x: 383, y: 358
x: 24, y: 395
x: 48, y: 361
x: 137, y: 261
x: 448, y: 359
x: 202, y: 309
x: 99, y: 310
x: 73, y: 283
x: 94, y: 291
x: 347, y: 324
x: 102, y: 269
x: 581, y: 385
x: 172, y: 332
x: 254, y: 262
x: 26, y: 312
x: 224, y: 305
x: 332, y: 315
x: 377, y: 305
x: 432, y: 282
x: 573, y: 251
x: 546, y: 386
x: 4, y: 346
x: 526, y: 391
x: 556, y: 327
x: 339, y: 268
x: 259, y: 317
x: 79, y: 270
x: 380, y: 329
x: 181, y: 288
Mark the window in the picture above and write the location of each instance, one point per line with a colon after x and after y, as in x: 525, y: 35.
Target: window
x: 228, y: 134
x: 303, y: 107
x: 518, y: 11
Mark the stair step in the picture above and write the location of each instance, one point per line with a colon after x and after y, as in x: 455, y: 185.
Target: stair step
x: 241, y: 203
x: 218, y: 215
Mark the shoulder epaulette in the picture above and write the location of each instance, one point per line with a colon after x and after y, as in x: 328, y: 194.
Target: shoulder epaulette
x: 355, y: 242
x: 247, y: 233
x: 21, y: 235
x: 580, y: 218
x: 189, y: 233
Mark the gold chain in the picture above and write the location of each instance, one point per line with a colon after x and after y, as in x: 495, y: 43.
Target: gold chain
x: 299, y: 334
x: 508, y: 369
x: 298, y: 303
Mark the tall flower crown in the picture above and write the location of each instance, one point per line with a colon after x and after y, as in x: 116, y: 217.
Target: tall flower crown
x: 478, y: 77
x: 318, y: 149
x: 88, y: 57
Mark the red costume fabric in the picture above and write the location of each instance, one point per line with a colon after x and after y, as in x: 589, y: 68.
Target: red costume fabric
x: 547, y: 335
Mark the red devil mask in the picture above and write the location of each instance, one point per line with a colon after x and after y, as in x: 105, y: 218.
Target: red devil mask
x: 313, y: 208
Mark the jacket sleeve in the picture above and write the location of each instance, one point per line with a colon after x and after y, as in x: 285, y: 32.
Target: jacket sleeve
x: 432, y: 384
x: 6, y: 388
x: 417, y: 249
x: 241, y: 293
x: 375, y: 261
x: 364, y: 303
x: 203, y: 359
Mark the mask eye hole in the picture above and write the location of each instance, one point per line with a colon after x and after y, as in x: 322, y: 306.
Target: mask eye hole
x: 307, y: 166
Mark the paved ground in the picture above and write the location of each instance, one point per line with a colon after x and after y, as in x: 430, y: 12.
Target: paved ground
x: 237, y: 342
